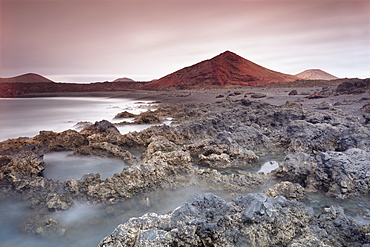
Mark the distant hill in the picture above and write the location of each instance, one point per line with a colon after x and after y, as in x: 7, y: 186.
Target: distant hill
x: 224, y: 70
x: 26, y: 78
x: 315, y: 74
x: 124, y: 79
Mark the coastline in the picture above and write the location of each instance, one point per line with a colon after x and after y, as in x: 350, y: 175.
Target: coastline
x: 348, y: 103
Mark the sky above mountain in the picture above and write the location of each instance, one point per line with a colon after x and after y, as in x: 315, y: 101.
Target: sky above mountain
x: 99, y: 40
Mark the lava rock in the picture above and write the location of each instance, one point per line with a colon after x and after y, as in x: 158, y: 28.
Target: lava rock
x: 293, y: 92
x: 208, y: 220
x: 258, y: 95
x: 28, y: 163
x: 291, y: 191
x: 340, y: 174
x: 125, y: 114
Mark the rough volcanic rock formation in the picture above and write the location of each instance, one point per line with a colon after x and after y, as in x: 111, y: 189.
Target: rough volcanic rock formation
x: 340, y: 174
x: 28, y: 162
x: 289, y: 190
x: 226, y: 69
x: 315, y: 74
x: 354, y: 86
x: 251, y: 220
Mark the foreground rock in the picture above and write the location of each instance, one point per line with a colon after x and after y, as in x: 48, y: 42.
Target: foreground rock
x: 291, y: 191
x: 251, y: 220
x: 27, y: 163
x: 340, y: 174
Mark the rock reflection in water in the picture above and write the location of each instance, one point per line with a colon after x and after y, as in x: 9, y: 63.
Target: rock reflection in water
x: 63, y: 166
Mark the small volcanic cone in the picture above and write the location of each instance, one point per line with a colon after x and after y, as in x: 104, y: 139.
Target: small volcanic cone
x: 315, y: 74
x: 26, y: 78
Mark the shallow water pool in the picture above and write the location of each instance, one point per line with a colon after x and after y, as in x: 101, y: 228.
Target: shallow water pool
x: 63, y: 166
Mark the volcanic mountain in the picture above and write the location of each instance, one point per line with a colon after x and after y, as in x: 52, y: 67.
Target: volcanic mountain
x: 315, y: 74
x: 226, y: 69
x: 124, y: 79
x: 26, y: 78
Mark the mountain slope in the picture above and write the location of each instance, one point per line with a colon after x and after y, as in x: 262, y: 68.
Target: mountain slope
x: 315, y: 74
x: 124, y: 79
x: 26, y: 78
x: 226, y: 69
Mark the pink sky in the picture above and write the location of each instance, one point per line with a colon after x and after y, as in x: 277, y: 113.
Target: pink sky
x: 99, y: 40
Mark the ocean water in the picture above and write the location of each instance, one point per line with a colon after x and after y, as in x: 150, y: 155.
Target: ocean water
x: 25, y: 117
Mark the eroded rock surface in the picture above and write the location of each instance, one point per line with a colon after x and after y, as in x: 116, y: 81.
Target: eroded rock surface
x: 251, y: 220
x: 340, y: 174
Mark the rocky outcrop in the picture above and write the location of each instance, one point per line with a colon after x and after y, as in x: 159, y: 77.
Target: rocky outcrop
x: 251, y: 220
x: 147, y: 118
x: 340, y: 174
x: 13, y: 146
x: 354, y: 86
x: 100, y: 127
x: 291, y: 191
x: 125, y: 114
x: 101, y: 131
x: 106, y: 149
x: 27, y: 163
x: 50, y: 141
x: 258, y: 95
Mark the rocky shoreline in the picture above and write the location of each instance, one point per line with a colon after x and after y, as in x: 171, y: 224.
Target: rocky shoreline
x: 326, y: 151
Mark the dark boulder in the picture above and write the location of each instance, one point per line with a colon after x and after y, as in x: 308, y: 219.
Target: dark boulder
x: 293, y: 92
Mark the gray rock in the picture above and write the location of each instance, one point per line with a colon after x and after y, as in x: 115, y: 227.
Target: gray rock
x: 340, y: 174
x: 100, y: 127
x: 251, y: 220
x: 291, y: 191
x: 258, y: 95
x: 293, y: 92
x: 325, y: 106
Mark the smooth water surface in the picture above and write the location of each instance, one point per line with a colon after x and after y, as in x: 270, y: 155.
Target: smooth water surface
x: 265, y: 164
x: 25, y: 117
x: 63, y: 166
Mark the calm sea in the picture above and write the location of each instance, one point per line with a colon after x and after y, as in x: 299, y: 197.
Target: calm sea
x: 27, y: 116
